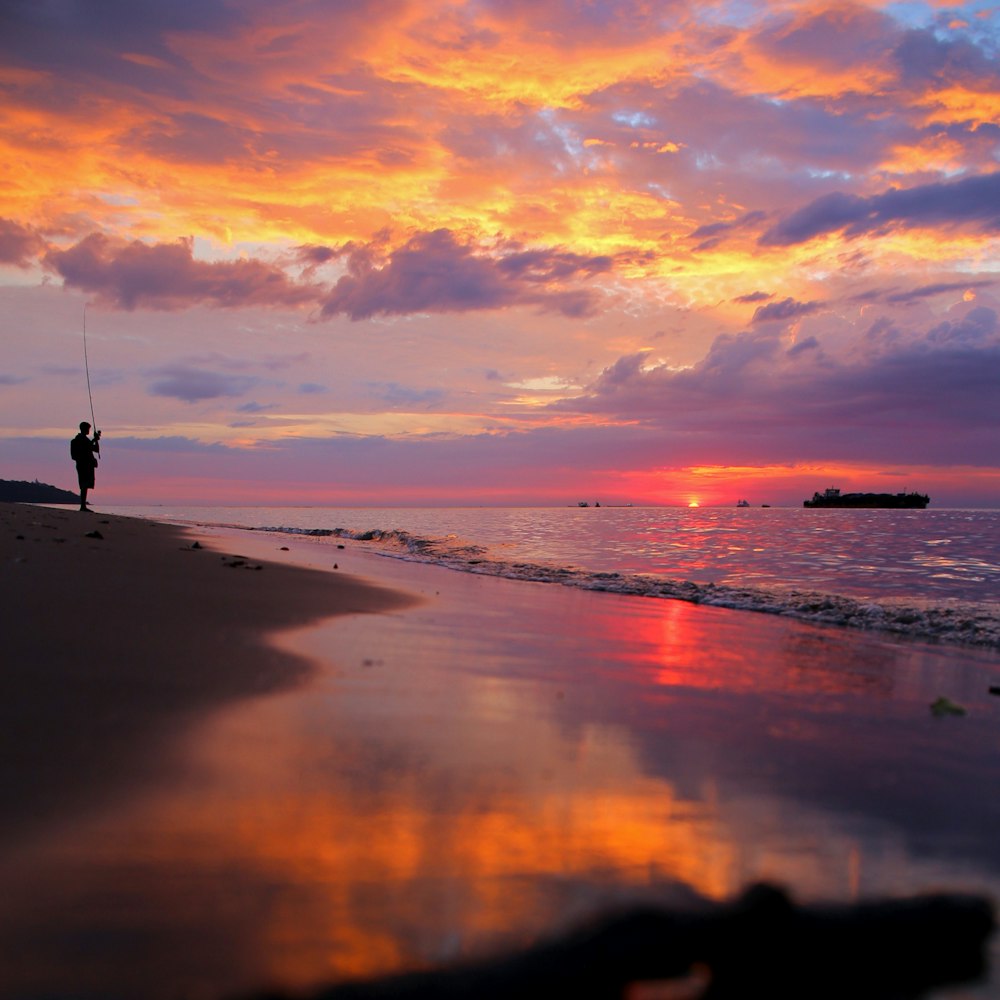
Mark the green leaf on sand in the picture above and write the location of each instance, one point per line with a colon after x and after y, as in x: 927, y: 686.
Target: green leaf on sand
x: 945, y: 706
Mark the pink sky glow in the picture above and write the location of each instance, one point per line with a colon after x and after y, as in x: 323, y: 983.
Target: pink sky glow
x: 501, y: 251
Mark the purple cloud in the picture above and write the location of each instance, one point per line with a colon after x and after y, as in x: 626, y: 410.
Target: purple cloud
x: 615, y: 22
x: 194, y: 384
x: 312, y: 255
x: 972, y: 202
x: 713, y: 233
x: 192, y: 137
x: 397, y: 396
x: 979, y: 329
x: 940, y: 288
x: 90, y: 40
x: 19, y: 245
x: 756, y: 399
x: 166, y: 276
x: 925, y: 58
x: 785, y: 310
x: 433, y: 272
x: 840, y: 38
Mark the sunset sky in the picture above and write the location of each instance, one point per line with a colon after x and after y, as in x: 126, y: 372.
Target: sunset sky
x: 502, y: 251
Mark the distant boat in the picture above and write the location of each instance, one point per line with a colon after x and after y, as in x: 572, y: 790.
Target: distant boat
x: 891, y: 501
x: 742, y: 503
x: 583, y: 503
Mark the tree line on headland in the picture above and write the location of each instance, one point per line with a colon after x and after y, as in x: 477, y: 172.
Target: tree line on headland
x: 19, y: 491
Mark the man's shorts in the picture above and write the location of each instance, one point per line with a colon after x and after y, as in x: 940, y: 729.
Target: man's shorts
x: 85, y: 475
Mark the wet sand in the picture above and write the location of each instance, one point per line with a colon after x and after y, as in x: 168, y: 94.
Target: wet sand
x: 477, y: 764
x: 111, y: 643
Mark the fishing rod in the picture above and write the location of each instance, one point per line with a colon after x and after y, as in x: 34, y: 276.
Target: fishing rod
x: 86, y: 368
x: 90, y: 394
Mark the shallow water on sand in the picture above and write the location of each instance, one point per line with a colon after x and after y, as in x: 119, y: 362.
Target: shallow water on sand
x: 944, y: 554
x: 497, y: 763
x: 934, y: 574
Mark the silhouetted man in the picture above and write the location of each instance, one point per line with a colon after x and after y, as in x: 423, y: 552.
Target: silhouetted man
x: 84, y: 450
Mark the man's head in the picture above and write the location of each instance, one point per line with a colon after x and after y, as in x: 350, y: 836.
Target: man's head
x: 85, y: 427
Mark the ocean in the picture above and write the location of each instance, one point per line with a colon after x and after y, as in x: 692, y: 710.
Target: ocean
x: 502, y: 760
x: 928, y: 574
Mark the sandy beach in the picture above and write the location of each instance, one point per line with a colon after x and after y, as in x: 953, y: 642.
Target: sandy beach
x: 218, y: 777
x: 117, y: 631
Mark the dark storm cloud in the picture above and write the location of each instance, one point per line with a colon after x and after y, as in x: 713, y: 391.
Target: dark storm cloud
x: 973, y: 202
x: 434, y: 272
x: 166, y: 276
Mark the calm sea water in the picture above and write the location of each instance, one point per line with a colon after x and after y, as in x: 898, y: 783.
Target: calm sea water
x: 500, y: 760
x: 931, y: 573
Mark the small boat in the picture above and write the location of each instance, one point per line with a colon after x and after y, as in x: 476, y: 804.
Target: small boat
x: 742, y: 503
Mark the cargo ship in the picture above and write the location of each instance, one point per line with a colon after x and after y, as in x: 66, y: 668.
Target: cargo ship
x: 891, y: 501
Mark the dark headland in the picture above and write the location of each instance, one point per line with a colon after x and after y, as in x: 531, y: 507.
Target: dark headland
x: 19, y: 491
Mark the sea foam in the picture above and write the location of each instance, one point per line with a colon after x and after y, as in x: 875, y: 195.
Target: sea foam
x: 962, y: 622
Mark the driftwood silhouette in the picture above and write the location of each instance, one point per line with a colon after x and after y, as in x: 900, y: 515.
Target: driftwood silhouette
x: 760, y: 946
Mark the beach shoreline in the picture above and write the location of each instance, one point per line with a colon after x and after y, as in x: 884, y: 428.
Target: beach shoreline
x: 930, y: 585
x: 120, y: 630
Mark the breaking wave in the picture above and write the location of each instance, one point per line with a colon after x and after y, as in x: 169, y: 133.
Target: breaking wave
x: 968, y: 623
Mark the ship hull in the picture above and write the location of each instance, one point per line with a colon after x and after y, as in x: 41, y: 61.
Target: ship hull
x: 874, y: 501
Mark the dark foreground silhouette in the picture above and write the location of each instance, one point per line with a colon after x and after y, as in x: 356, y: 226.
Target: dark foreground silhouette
x: 20, y: 491
x: 762, y: 945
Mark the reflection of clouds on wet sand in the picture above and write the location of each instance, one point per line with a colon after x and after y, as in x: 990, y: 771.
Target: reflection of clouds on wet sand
x: 504, y: 759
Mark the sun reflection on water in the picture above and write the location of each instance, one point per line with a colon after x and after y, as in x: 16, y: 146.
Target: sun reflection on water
x: 438, y: 791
